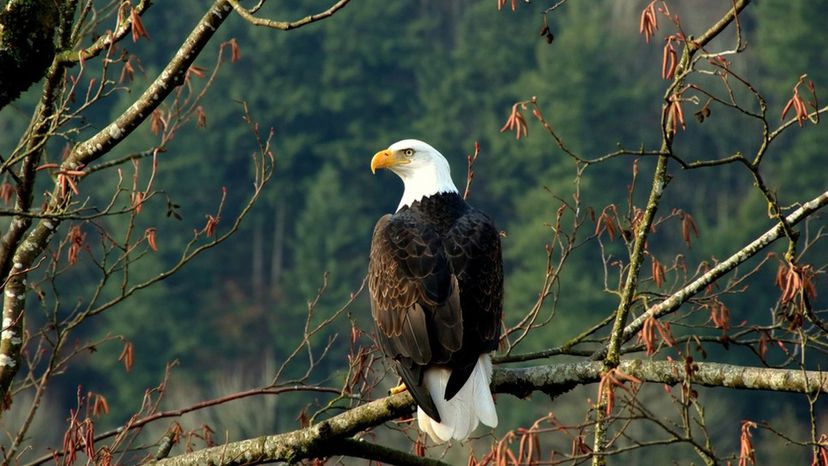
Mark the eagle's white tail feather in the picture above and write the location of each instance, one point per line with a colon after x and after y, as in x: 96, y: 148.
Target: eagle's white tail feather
x: 470, y: 406
x: 485, y: 406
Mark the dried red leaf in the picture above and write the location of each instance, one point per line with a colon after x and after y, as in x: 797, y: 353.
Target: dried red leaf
x: 500, y: 4
x: 801, y: 113
x: 606, y: 222
x: 66, y: 183
x: 6, y: 192
x: 516, y: 122
x: 137, y: 201
x: 688, y: 226
x: 720, y: 316
x: 355, y: 333
x: 647, y: 335
x: 303, y: 418
x: 675, y: 116
x: 201, y: 117
x: 669, y: 58
x: 763, y: 344
x: 665, y: 333
x: 747, y: 455
x: 138, y: 30
x: 128, y: 68
x: 648, y: 332
x: 149, y: 234
x: 657, y: 270
x: 69, y: 442
x: 235, y: 51
x: 158, y: 123
x: 126, y: 355
x: 787, y: 107
x: 649, y: 22
x: 207, y: 435
x: 104, y: 457
x: 579, y: 446
x: 75, y: 238
x: 79, y: 436
x: 635, y: 224
x: 100, y: 406
x: 419, y: 447
x: 821, y: 452
x: 612, y: 379
x: 127, y: 73
x: 46, y: 166
x: 795, y: 281
x: 210, y: 228
x: 197, y: 71
x: 798, y: 290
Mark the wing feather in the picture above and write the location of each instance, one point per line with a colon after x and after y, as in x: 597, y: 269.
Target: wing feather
x: 473, y: 247
x: 436, y: 299
x: 415, y: 300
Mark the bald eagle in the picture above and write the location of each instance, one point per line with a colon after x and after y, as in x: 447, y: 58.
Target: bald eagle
x: 435, y: 278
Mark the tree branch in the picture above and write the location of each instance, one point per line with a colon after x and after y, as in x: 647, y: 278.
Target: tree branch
x: 106, y: 40
x: 27, y: 31
x: 678, y: 298
x: 300, y: 444
x: 374, y: 452
x: 552, y: 378
x: 171, y: 77
x: 717, y: 28
x: 286, y: 25
x: 332, y: 436
x: 35, y: 243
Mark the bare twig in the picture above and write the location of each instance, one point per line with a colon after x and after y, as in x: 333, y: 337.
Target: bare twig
x: 286, y: 25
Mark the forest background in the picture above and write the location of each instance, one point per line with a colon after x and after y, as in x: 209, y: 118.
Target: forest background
x: 448, y: 73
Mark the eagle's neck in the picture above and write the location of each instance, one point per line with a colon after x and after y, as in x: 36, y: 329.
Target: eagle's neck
x: 424, y: 182
x: 439, y: 210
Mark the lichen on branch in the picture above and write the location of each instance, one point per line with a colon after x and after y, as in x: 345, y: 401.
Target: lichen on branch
x: 321, y: 439
x: 27, y: 45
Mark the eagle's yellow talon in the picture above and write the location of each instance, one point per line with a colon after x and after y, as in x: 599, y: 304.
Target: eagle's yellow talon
x: 398, y: 389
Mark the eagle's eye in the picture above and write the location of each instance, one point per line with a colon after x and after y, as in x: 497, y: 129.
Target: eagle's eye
x: 408, y: 152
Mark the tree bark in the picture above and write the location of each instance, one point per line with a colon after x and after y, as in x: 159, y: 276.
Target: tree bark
x: 320, y: 439
x: 27, y: 44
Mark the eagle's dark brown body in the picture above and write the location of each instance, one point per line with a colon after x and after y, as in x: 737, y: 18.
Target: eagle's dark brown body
x: 436, y: 284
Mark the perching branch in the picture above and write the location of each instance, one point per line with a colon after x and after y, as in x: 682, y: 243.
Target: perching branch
x: 300, y: 444
x: 328, y: 436
x: 382, y: 454
x: 554, y: 377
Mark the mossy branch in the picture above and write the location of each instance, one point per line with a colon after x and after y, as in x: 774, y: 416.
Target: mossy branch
x: 293, y: 446
x: 676, y: 299
x: 642, y: 228
x: 334, y: 436
x: 27, y: 45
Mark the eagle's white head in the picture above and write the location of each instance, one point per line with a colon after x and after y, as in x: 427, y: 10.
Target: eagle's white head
x: 423, y: 169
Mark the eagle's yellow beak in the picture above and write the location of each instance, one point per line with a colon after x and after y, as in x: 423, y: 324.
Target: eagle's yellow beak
x: 390, y: 158
x: 383, y: 159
